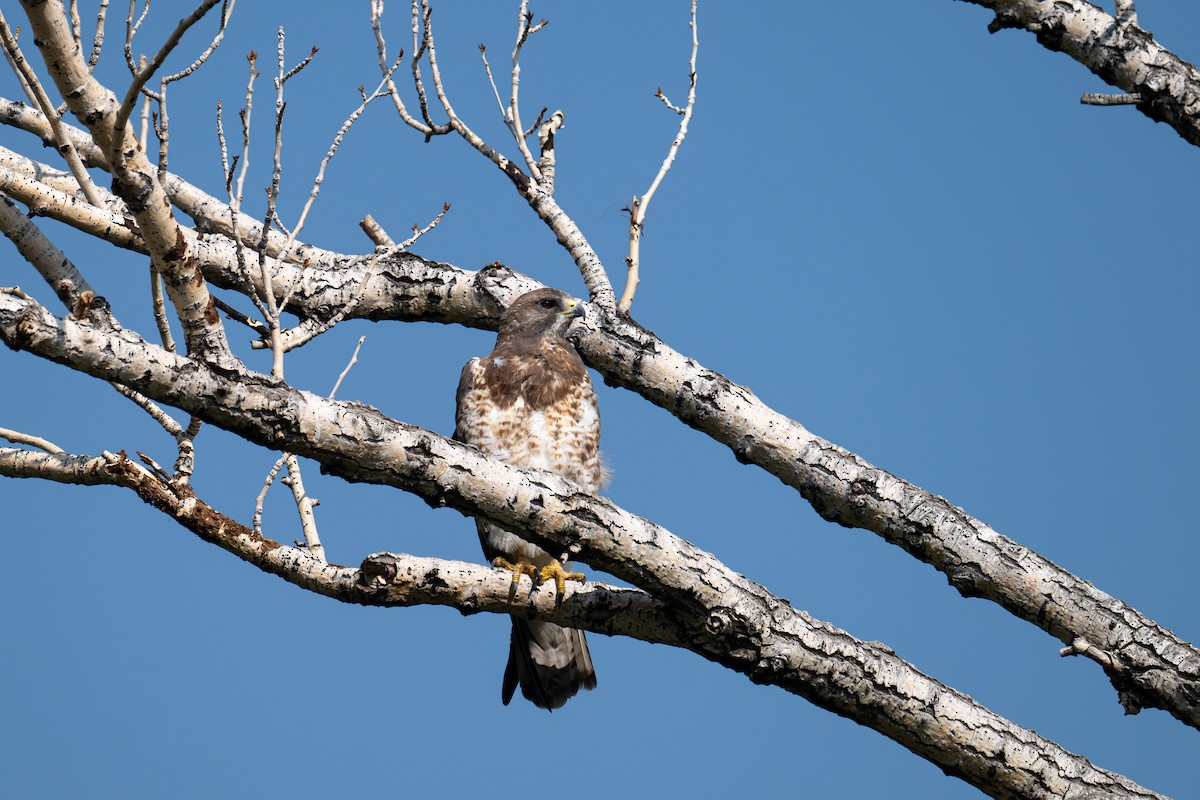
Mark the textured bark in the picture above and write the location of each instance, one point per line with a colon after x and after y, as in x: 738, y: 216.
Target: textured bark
x: 210, y: 214
x: 135, y: 179
x: 1119, y: 52
x: 383, y: 579
x: 1148, y: 665
x: 687, y: 598
x: 708, y: 607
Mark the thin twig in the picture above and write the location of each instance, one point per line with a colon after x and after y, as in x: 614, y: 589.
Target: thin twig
x: 16, y: 437
x: 185, y: 459
x: 637, y: 210
x: 309, y: 329
x: 381, y: 48
x: 537, y: 123
x: 131, y: 29
x: 380, y: 91
x: 353, y: 360
x: 173, y: 428
x: 418, y: 233
x: 418, y: 51
x: 62, y: 142
x: 98, y: 39
x: 226, y: 13
x: 304, y: 505
x: 591, y: 268
x: 76, y: 23
x: 161, y: 321
x: 144, y: 74
x: 272, y: 312
x: 237, y: 316
x: 235, y: 190
x: 1099, y: 99
x: 256, y: 520
x: 525, y: 28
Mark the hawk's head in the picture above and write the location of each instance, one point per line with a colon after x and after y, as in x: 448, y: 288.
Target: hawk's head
x: 543, y: 312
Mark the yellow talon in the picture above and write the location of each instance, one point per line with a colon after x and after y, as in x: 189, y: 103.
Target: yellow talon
x: 556, y: 571
x: 518, y: 569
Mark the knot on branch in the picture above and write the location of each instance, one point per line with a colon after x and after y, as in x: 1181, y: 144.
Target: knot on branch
x: 378, y: 570
x: 965, y: 579
x: 25, y: 330
x: 1003, y: 19
x: 1082, y: 647
x: 720, y: 622
x: 134, y: 188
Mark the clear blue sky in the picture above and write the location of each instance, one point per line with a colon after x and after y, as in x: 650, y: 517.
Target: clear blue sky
x: 894, y: 227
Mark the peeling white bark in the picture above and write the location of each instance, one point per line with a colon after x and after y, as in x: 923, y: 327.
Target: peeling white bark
x: 1118, y: 51
x: 706, y: 607
x: 841, y: 486
x: 687, y: 598
x: 136, y: 180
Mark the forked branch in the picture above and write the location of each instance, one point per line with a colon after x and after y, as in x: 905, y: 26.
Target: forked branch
x: 530, y: 184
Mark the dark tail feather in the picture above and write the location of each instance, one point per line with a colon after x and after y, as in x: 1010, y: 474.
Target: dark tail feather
x: 549, y: 662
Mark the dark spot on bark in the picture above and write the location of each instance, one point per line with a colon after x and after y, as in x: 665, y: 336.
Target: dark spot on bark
x: 519, y: 178
x: 585, y: 515
x: 210, y: 313
x: 178, y: 249
x: 965, y: 580
x: 1052, y: 29
x: 741, y: 450
x: 435, y: 581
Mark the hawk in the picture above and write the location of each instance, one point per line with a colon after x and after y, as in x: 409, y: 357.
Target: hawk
x: 531, y: 403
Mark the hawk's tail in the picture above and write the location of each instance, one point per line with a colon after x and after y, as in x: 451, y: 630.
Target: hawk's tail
x: 550, y: 662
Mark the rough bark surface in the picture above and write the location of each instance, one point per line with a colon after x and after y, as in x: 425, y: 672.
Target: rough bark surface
x: 709, y: 608
x: 1118, y: 51
x: 1149, y: 666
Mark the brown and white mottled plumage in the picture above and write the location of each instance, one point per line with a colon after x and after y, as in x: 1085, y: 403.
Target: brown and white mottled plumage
x: 531, y: 403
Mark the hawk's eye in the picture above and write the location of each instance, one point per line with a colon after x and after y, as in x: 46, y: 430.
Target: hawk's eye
x: 546, y: 302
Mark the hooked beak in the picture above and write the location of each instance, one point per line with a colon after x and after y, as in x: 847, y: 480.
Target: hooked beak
x: 575, y: 309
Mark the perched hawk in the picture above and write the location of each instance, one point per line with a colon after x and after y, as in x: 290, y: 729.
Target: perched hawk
x: 531, y: 403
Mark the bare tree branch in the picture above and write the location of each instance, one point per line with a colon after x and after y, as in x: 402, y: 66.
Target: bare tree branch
x: 540, y: 197
x: 135, y: 180
x: 639, y: 205
x: 841, y: 486
x: 1118, y: 51
x: 145, y: 72
x: 725, y: 617
x: 34, y: 86
x: 16, y: 437
x: 209, y: 213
